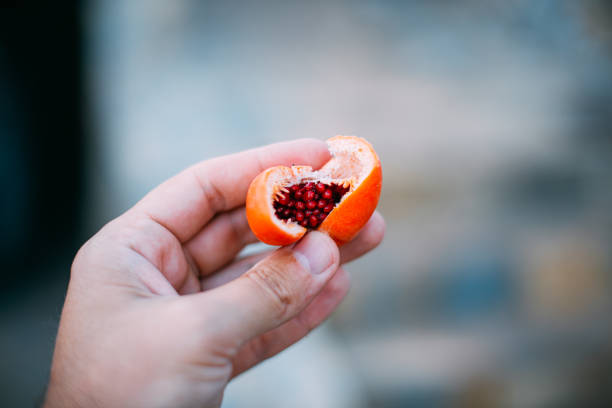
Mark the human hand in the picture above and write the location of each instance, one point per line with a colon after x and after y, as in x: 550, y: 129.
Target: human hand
x: 160, y: 313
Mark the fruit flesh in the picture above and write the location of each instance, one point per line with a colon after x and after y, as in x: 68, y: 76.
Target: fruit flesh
x: 308, y: 204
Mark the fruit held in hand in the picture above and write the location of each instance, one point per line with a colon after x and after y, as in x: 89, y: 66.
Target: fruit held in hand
x: 283, y: 202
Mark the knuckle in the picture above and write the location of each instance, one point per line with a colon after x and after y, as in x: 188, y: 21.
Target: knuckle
x: 276, y: 287
x: 238, y: 227
x: 80, y: 260
x: 213, y: 195
x: 376, y: 232
x: 307, y: 322
x: 94, y: 251
x: 259, y: 348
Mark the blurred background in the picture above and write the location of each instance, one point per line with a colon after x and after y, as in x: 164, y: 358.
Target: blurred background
x: 493, y: 121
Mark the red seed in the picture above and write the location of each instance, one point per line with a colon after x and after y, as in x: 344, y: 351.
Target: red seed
x: 309, y: 195
x: 283, y: 200
x: 313, y: 220
x: 307, y: 200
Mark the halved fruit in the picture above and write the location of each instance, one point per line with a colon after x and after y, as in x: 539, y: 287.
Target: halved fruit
x: 283, y: 202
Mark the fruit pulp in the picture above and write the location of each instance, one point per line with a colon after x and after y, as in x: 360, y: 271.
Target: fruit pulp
x: 308, y: 204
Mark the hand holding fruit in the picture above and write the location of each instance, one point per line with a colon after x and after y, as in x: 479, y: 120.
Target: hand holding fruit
x: 160, y: 313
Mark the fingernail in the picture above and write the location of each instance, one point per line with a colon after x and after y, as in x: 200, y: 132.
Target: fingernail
x: 316, y: 252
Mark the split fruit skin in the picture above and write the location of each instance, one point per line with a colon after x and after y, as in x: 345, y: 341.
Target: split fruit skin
x: 341, y: 224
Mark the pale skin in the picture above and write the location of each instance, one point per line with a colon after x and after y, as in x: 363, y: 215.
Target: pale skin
x: 160, y: 312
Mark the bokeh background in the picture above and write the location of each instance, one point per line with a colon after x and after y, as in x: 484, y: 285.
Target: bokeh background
x: 493, y: 121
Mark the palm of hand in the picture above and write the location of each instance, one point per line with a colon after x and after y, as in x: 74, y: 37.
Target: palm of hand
x: 160, y: 313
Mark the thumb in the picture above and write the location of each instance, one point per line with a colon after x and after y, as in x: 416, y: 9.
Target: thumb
x: 273, y: 291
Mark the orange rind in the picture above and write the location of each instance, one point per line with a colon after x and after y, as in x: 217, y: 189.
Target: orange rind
x: 345, y: 193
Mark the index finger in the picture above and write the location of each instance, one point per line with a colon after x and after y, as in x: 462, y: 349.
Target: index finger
x: 187, y: 201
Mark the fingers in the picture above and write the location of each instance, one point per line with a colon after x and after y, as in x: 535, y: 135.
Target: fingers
x: 154, y: 254
x: 368, y: 238
x: 187, y: 201
x: 232, y: 271
x: 272, y: 292
x: 222, y: 239
x: 276, y: 340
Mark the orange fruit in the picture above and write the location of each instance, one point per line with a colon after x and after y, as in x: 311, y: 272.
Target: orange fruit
x: 284, y: 202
